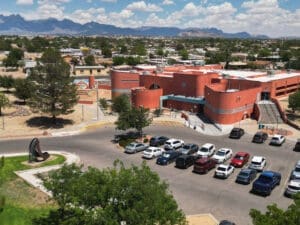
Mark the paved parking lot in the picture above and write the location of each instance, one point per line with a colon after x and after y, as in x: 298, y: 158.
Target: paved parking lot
x: 195, y: 193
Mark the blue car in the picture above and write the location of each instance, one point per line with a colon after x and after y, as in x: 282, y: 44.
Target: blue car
x: 266, y: 182
x: 167, y: 157
x: 246, y: 176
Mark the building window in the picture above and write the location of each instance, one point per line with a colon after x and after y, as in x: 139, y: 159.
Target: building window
x: 98, y: 70
x: 81, y: 71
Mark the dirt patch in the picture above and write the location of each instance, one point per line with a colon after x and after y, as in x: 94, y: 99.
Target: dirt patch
x: 19, y: 120
x: 21, y: 193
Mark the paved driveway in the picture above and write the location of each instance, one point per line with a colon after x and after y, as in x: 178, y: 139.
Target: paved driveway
x: 195, y: 193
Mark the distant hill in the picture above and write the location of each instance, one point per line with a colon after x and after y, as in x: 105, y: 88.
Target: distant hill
x: 17, y: 25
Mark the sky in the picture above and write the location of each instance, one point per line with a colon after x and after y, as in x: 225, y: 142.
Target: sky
x: 275, y: 18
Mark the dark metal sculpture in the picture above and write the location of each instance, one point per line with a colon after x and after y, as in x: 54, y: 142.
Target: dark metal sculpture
x: 35, y: 153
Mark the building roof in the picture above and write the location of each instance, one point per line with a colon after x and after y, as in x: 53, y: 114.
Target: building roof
x: 89, y: 67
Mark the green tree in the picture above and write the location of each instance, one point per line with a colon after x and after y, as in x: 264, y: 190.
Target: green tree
x: 133, y: 195
x: 118, y: 60
x: 294, y: 101
x: 159, y: 52
x: 139, y: 119
x: 90, y: 60
x: 123, y: 50
x: 4, y: 102
x: 106, y: 52
x: 103, y: 103
x: 55, y: 94
x: 121, y: 104
x: 13, y: 58
x: 24, y: 89
x: 136, y: 118
x: 7, y: 82
x: 277, y: 216
x: 184, y: 54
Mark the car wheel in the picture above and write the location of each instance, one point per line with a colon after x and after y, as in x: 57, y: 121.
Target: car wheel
x: 279, y: 182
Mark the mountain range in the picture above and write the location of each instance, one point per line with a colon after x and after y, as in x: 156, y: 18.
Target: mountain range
x: 17, y: 25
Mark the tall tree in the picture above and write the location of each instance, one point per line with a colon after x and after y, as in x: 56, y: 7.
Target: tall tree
x: 24, y: 89
x: 136, y: 118
x: 55, y: 94
x: 277, y: 216
x: 90, y: 60
x: 4, y: 102
x: 294, y: 101
x: 7, y: 82
x: 121, y: 104
x: 133, y: 195
x: 13, y: 58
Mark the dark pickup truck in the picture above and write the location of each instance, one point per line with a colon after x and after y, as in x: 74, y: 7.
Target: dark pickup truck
x: 266, y: 182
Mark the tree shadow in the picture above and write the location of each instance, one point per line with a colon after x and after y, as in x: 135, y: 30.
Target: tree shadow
x: 19, y: 102
x: 44, y: 122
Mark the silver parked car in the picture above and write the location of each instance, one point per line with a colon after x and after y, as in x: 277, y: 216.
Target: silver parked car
x: 134, y: 147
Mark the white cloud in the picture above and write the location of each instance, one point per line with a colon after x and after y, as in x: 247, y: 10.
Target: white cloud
x: 167, y: 2
x: 24, y: 2
x: 109, y: 1
x: 144, y: 7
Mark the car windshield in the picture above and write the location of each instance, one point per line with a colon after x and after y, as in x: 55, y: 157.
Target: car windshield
x: 204, y: 150
x: 239, y: 157
x: 149, y: 150
x: 275, y: 138
x: 297, y: 169
x: 131, y: 145
x: 220, y: 153
x: 256, y: 163
x: 243, y: 174
x: 294, y: 187
x: 166, y: 155
x: 221, y: 168
x: 265, y: 179
x: 186, y: 147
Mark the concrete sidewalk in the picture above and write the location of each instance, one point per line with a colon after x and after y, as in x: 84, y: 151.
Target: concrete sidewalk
x: 30, y: 175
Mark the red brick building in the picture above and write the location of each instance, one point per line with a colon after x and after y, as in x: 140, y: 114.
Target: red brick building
x: 225, y: 96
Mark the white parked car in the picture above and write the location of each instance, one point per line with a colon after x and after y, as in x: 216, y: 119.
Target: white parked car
x: 173, y: 143
x: 258, y: 163
x: 277, y: 139
x: 206, y: 150
x: 152, y: 152
x: 222, y: 155
x: 292, y: 188
x: 224, y: 171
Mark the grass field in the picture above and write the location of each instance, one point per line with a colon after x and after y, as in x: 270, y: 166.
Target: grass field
x: 23, y: 202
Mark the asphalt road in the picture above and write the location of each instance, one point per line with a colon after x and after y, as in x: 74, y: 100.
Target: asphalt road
x: 194, y: 193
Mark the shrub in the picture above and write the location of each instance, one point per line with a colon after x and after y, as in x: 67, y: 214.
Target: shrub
x: 146, y: 140
x: 124, y: 142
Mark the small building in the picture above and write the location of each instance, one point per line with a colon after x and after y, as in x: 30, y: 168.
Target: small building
x: 85, y: 71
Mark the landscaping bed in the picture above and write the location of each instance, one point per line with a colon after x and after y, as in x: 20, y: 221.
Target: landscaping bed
x: 22, y: 201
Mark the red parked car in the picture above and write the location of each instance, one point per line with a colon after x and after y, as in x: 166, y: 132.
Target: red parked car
x: 203, y: 165
x: 240, y: 159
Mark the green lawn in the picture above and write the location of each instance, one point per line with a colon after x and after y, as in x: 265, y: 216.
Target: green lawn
x: 23, y: 202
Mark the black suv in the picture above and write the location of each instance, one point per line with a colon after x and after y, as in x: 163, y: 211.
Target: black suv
x: 260, y: 137
x: 185, y: 161
x: 236, y: 133
x: 297, y: 146
x: 158, y: 140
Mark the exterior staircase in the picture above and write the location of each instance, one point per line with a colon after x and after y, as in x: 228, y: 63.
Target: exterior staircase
x: 202, y: 124
x: 268, y: 113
